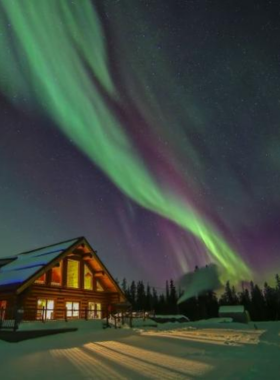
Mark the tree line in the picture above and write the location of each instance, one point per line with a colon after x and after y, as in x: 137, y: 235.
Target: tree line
x: 262, y: 303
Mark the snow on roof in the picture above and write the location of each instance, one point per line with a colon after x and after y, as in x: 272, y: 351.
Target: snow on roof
x: 231, y: 309
x: 176, y: 316
x: 28, y: 263
x: 24, y: 262
x: 17, y: 276
x: 52, y: 248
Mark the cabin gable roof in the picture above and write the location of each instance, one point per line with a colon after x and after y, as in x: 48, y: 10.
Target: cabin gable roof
x: 25, y: 267
x: 102, y: 272
x: 18, y: 272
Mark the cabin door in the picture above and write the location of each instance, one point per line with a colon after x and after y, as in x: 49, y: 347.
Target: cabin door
x: 94, y: 310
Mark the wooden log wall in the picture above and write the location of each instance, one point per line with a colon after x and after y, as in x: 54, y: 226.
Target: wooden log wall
x: 61, y: 296
x: 28, y: 299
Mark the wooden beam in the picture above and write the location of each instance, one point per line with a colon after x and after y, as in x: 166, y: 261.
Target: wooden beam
x: 81, y: 253
x: 99, y: 273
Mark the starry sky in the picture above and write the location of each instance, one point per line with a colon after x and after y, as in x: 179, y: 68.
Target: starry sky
x: 149, y: 127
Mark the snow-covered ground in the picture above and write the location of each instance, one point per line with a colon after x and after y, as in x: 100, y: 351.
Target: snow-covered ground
x: 201, y: 350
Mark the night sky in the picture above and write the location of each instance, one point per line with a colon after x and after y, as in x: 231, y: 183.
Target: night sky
x: 149, y: 127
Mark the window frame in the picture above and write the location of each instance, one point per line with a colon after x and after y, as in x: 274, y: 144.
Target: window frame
x: 39, y: 312
x: 98, y: 283
x: 61, y: 275
x: 78, y: 274
x: 37, y: 282
x: 72, y: 310
x: 84, y: 275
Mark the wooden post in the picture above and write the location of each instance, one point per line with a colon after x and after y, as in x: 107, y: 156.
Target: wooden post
x: 18, y: 318
x: 15, y: 321
x: 86, y: 313
x: 107, y: 318
x: 43, y: 313
x: 65, y: 311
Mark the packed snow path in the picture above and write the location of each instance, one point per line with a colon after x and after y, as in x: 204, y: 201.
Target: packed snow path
x: 186, y: 351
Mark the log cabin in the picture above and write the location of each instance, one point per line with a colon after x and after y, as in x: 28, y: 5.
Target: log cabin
x: 60, y: 281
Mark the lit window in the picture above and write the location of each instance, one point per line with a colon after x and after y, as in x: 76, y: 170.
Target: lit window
x: 41, y: 279
x: 99, y: 287
x: 87, y: 278
x: 72, y: 309
x: 94, y: 310
x: 45, y: 309
x: 56, y: 275
x: 73, y: 274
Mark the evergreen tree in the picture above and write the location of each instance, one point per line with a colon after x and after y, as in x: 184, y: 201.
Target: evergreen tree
x: 172, y: 298
x: 167, y: 292
x: 234, y: 298
x: 161, y: 305
x: 229, y: 297
x: 140, y: 296
x: 124, y: 285
x: 126, y: 289
x: 277, y: 278
x: 258, y: 303
x: 148, y: 301
x: 277, y: 291
x: 212, y: 305
x: 202, y: 306
x: 154, y: 303
x: 261, y: 304
x: 133, y: 294
x: 271, y: 302
x: 190, y: 309
x: 245, y: 300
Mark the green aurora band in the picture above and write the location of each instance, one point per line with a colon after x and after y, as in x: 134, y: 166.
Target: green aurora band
x: 48, y: 60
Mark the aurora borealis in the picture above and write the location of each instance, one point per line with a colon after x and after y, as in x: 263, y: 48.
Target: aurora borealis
x: 150, y: 127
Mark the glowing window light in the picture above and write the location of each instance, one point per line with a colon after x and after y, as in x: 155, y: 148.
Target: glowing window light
x: 88, y: 285
x: 41, y: 279
x: 99, y: 287
x: 45, y: 309
x: 56, y: 275
x: 94, y: 310
x: 72, y: 309
x: 73, y: 267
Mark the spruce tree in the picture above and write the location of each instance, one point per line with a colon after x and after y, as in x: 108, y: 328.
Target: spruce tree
x: 167, y: 293
x: 155, y: 301
x: 258, y: 303
x: 148, y: 301
x: 271, y: 302
x: 172, y: 298
x: 140, y: 296
x: 133, y: 294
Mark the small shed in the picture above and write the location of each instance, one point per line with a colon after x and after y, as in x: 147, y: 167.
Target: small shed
x: 236, y: 312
